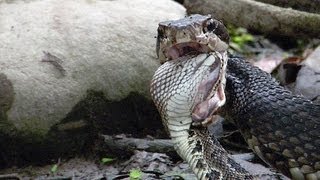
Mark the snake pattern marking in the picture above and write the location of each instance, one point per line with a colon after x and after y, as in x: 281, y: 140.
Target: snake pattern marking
x: 193, y: 83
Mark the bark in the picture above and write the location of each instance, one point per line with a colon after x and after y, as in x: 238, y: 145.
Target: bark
x: 312, y: 6
x: 131, y: 144
x: 10, y: 176
x: 258, y: 16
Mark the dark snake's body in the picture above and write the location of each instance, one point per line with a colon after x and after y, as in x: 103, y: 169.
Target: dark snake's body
x: 283, y: 129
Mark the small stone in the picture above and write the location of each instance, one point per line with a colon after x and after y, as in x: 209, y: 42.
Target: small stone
x: 306, y: 169
x: 309, y: 72
x: 287, y: 153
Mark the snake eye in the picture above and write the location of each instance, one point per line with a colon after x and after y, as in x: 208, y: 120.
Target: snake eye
x: 211, y: 26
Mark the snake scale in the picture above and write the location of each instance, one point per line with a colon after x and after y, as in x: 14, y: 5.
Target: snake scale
x: 198, y: 79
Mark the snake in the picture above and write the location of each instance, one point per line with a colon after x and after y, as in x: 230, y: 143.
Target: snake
x: 198, y: 80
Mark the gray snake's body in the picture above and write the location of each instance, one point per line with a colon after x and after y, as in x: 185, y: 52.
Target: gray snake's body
x: 283, y: 129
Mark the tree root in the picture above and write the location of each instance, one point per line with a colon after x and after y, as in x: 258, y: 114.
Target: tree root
x: 259, y: 16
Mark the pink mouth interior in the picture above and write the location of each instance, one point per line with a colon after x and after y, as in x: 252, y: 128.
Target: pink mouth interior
x: 210, y: 101
x: 182, y: 49
x: 208, y: 107
x: 212, y: 96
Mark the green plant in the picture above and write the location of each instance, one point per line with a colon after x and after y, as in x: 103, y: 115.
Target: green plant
x: 239, y: 37
x: 135, y: 174
x: 54, y: 168
x: 107, y: 160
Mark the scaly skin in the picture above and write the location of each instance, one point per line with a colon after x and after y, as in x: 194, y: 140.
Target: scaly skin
x: 283, y: 129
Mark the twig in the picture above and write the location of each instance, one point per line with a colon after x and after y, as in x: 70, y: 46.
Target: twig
x: 228, y: 134
x: 55, y: 61
x: 10, y: 176
x: 131, y: 144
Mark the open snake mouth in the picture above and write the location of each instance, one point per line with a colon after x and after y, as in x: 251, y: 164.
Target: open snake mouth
x: 188, y: 48
x: 210, y: 95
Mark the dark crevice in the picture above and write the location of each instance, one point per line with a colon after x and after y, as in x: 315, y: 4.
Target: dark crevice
x: 78, y: 132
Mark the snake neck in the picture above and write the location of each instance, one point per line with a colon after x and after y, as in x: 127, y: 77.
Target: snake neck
x: 206, y: 157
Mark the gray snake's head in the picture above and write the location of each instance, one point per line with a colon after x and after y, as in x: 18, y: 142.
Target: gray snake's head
x: 193, y: 34
x: 194, y: 53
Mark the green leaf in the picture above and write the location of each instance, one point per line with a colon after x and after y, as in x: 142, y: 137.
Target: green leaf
x: 238, y: 39
x: 247, y: 37
x: 135, y: 174
x: 106, y: 160
x: 54, y: 168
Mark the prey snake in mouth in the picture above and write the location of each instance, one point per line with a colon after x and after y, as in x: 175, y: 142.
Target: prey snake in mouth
x: 197, y: 78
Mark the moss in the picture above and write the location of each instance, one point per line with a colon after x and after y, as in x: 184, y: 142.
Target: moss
x: 34, y: 127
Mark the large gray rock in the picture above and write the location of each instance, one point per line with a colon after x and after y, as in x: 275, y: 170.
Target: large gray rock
x: 52, y: 52
x: 308, y: 79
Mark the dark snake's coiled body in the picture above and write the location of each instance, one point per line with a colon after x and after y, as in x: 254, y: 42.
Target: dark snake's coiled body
x: 283, y: 129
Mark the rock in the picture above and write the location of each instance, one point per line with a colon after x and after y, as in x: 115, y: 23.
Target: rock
x: 287, y: 71
x: 257, y: 170
x: 53, y: 53
x: 308, y: 79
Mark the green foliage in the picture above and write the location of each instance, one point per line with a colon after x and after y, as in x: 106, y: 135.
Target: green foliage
x: 135, y: 174
x: 239, y: 37
x: 54, y: 168
x: 107, y: 160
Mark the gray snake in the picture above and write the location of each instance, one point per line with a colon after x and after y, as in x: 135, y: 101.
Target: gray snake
x: 188, y: 90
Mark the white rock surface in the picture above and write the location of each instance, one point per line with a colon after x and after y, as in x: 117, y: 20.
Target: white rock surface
x: 308, y: 79
x: 101, y: 45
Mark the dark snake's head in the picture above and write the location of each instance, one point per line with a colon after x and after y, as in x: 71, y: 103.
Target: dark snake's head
x: 193, y: 51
